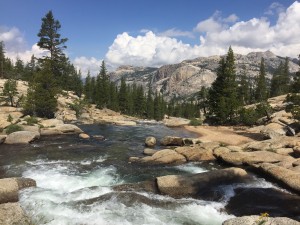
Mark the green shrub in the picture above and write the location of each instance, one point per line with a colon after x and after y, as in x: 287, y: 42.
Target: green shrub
x: 78, y: 106
x: 10, y: 118
x: 13, y: 128
x: 31, y: 120
x: 195, y: 122
x: 250, y: 116
x: 293, y: 105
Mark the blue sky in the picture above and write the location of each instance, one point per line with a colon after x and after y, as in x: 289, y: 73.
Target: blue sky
x: 153, y: 32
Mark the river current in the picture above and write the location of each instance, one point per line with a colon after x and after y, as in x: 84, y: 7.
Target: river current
x: 75, y: 179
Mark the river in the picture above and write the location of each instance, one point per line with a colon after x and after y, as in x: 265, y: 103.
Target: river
x: 75, y: 179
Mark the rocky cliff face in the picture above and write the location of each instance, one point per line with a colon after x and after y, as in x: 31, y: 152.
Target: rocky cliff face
x: 186, y: 78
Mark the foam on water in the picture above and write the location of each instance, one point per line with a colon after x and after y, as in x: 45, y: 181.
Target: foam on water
x: 61, y: 184
x: 191, y: 168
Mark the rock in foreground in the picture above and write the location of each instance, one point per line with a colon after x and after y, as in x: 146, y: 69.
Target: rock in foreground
x: 252, y: 220
x: 13, y: 214
x: 192, y: 185
x: 9, y: 188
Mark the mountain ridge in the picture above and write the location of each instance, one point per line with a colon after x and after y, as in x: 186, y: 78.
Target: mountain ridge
x: 184, y: 79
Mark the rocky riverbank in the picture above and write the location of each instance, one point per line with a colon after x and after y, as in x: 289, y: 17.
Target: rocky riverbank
x: 10, y: 210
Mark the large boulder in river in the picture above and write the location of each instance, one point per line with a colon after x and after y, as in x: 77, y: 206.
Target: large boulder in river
x: 21, y: 137
x: 239, y: 158
x: 61, y: 129
x: 196, y: 153
x: 150, y: 141
x: 165, y: 156
x: 288, y: 177
x: 251, y: 220
x: 12, y: 213
x: 9, y: 188
x: 194, y: 184
x: 171, y: 141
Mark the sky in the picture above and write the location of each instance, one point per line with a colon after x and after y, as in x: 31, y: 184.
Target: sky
x: 152, y: 32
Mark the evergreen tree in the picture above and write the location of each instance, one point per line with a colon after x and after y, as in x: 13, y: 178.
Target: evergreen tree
x: 50, y: 37
x: 19, y: 69
x: 113, y: 93
x: 261, y: 84
x: 141, y: 102
x: 223, y: 101
x: 103, y: 97
x: 10, y: 91
x: 41, y: 99
x: 157, y: 108
x: 123, y: 97
x: 30, y: 69
x: 295, y: 87
x: 88, y: 88
x: 202, y: 98
x: 93, y: 90
x: 150, y: 104
x: 244, y: 88
x: 2, y: 59
x: 280, y: 80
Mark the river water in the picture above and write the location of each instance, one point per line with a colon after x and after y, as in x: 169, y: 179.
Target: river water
x: 75, y: 179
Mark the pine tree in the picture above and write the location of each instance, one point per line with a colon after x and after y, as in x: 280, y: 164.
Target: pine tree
x: 123, y: 97
x: 261, y: 84
x: 41, y: 99
x: 10, y: 91
x: 30, y: 69
x: 87, y: 88
x: 50, y: 38
x: 2, y: 59
x: 19, y: 68
x: 139, y: 102
x: 223, y: 97
x: 93, y: 90
x: 244, y: 88
x: 157, y: 107
x: 113, y: 93
x: 150, y: 104
x: 295, y: 87
x: 202, y: 98
x: 280, y: 80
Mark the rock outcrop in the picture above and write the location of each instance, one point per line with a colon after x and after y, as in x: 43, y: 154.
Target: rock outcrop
x: 166, y: 156
x: 61, y: 129
x: 21, y: 137
x: 196, y: 153
x: 250, y: 220
x: 9, y: 188
x: 12, y: 213
x: 194, y: 184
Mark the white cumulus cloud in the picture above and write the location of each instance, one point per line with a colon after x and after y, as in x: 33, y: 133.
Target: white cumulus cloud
x: 148, y: 50
x: 217, y: 34
x: 86, y: 64
x: 16, y: 46
x: 176, y: 33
